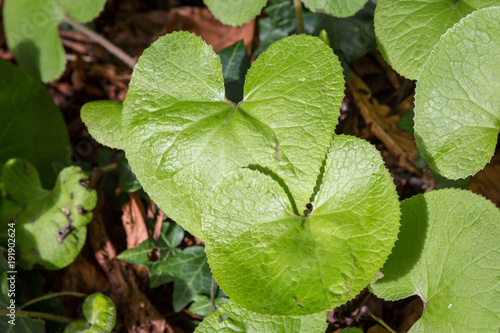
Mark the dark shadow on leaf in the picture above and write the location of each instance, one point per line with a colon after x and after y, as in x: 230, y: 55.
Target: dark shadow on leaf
x: 277, y: 179
x: 411, y: 239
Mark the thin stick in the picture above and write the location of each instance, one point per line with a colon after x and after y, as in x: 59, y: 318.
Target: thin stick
x: 212, y: 302
x: 40, y: 315
x: 300, y: 19
x: 113, y: 49
x: 49, y: 296
x: 381, y: 322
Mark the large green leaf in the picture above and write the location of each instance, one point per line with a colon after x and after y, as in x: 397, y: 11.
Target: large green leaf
x: 339, y: 8
x: 190, y: 272
x: 408, y: 30
x: 50, y: 225
x: 100, y: 313
x: 32, y: 36
x: 270, y: 260
x: 235, y: 12
x: 448, y: 254
x: 457, y: 103
x: 181, y: 135
x: 232, y: 318
x: 31, y: 125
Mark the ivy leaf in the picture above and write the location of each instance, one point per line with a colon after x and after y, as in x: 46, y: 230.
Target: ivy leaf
x: 233, y: 318
x: 339, y: 8
x: 151, y: 253
x: 50, y: 225
x: 100, y: 312
x: 270, y: 260
x: 235, y: 12
x: 202, y: 305
x: 235, y: 63
x: 23, y: 98
x: 408, y: 30
x: 457, y: 105
x: 448, y: 254
x: 181, y: 135
x: 189, y: 271
x: 32, y: 36
x: 103, y: 121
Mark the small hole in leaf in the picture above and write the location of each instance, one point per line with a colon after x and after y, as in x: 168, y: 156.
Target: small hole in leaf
x: 84, y: 182
x: 222, y: 317
x: 154, y: 255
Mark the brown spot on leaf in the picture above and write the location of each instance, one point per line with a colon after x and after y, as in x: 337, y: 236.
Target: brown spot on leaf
x: 63, y: 232
x: 154, y: 255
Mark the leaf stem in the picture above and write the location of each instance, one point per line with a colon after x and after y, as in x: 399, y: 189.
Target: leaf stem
x: 40, y: 315
x: 49, y: 296
x: 113, y: 49
x: 300, y: 20
x: 381, y: 322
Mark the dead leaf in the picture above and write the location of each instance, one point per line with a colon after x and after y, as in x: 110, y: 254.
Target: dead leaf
x: 134, y: 214
x: 487, y: 181
x: 202, y: 23
x: 383, y: 125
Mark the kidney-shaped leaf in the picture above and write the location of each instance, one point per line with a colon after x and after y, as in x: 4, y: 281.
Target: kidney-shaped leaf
x: 31, y: 125
x: 339, y: 8
x: 272, y: 261
x: 408, y: 30
x: 32, y: 36
x: 50, y: 225
x: 181, y: 134
x: 100, y: 313
x: 103, y: 121
x: 448, y: 254
x: 232, y: 318
x: 235, y: 12
x: 457, y: 103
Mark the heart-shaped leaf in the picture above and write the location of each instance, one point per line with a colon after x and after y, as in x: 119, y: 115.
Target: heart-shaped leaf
x: 181, y: 135
x: 30, y: 120
x: 100, y: 312
x: 233, y: 318
x: 50, y: 225
x: 32, y: 36
x: 457, y: 102
x: 448, y: 254
x: 270, y: 260
x: 339, y: 8
x: 235, y: 12
x: 408, y: 30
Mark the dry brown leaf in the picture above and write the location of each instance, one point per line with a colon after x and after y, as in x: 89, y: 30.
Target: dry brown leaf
x: 202, y: 23
x: 487, y: 181
x: 135, y: 309
x: 383, y: 125
x: 134, y: 214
